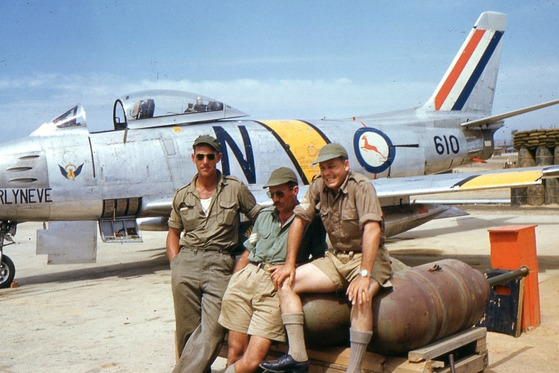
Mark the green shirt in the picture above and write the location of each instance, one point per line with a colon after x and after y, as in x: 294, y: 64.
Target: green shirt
x: 268, y: 239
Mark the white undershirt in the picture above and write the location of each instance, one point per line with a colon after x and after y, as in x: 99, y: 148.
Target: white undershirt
x: 205, y: 205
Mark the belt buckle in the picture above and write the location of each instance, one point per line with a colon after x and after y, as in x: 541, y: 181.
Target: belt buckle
x: 263, y: 265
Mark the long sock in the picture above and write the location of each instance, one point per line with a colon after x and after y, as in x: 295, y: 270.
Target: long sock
x: 230, y: 369
x: 359, y: 340
x: 294, y: 323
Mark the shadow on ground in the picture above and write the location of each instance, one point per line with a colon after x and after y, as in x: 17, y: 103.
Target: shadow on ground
x: 157, y: 262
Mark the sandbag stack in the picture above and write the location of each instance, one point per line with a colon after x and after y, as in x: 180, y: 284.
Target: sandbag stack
x: 537, y: 148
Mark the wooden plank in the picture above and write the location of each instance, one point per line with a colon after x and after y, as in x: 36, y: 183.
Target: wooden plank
x: 447, y: 344
x: 402, y: 365
x: 336, y: 359
x: 326, y: 369
x: 335, y: 356
x: 481, y: 346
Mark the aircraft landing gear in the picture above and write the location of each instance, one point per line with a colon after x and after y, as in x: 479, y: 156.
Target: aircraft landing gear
x: 7, y: 267
x: 7, y: 272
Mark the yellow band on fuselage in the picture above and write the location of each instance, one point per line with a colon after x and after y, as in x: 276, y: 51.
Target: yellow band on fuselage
x: 304, y: 142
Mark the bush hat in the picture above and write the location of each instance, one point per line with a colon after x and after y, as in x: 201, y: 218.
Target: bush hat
x: 282, y: 175
x: 330, y: 151
x: 208, y: 140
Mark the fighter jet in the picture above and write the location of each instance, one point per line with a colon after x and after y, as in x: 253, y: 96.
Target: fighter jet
x: 123, y: 180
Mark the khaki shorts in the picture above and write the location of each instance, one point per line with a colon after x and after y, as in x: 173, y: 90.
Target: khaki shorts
x: 343, y: 267
x: 251, y: 305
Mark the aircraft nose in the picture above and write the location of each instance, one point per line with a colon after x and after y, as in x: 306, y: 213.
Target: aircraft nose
x: 24, y: 191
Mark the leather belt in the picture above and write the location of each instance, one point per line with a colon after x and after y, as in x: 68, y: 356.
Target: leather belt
x: 210, y: 248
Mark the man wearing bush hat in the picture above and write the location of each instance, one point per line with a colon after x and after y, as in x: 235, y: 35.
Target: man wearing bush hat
x: 203, y: 234
x: 250, y: 306
x: 357, y: 261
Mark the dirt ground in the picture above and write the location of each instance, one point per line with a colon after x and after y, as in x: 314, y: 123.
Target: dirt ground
x: 116, y: 315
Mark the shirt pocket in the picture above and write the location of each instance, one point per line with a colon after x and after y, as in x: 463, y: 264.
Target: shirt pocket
x: 228, y: 212
x: 188, y: 216
x: 349, y: 222
x: 264, y: 236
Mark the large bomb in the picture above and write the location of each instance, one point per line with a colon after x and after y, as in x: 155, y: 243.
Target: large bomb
x: 425, y: 304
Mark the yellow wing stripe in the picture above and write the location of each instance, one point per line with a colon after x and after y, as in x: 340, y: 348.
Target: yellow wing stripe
x: 304, y: 142
x: 502, y: 179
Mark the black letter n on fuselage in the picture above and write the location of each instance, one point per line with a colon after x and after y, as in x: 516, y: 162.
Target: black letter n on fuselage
x: 247, y: 165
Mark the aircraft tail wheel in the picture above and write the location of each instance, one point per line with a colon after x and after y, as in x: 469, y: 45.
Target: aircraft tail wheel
x: 7, y: 272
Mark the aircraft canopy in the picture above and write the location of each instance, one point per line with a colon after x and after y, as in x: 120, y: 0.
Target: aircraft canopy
x: 158, y: 108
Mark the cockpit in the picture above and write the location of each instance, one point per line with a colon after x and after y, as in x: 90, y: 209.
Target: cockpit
x: 162, y: 108
x: 155, y: 108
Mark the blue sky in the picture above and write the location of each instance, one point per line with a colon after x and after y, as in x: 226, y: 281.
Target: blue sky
x: 270, y: 59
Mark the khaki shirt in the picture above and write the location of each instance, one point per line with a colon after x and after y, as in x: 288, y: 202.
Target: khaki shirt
x: 219, y: 229
x: 344, y: 213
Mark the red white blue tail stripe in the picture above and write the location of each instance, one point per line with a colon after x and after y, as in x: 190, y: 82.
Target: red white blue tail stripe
x: 468, y: 66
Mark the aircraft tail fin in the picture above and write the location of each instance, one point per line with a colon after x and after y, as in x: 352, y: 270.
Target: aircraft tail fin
x: 469, y: 83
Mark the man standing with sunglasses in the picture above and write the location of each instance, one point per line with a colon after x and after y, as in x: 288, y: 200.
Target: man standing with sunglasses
x: 250, y: 308
x: 357, y: 262
x: 206, y: 212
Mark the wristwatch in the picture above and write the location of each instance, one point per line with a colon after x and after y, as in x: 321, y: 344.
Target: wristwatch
x: 364, y: 273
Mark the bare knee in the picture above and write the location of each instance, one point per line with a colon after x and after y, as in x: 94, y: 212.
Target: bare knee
x: 290, y: 302
x: 286, y: 290
x: 362, y: 314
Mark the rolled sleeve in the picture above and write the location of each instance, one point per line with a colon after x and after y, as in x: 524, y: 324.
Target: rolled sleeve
x: 253, y: 213
x: 368, y: 206
x: 173, y: 224
x: 248, y: 202
x: 175, y: 220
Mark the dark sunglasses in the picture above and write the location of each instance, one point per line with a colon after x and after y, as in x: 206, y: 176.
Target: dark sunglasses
x: 279, y: 193
x: 210, y: 156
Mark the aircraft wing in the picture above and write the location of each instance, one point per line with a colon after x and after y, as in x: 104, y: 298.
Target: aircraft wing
x: 496, y: 120
x: 416, y: 185
x: 467, y: 181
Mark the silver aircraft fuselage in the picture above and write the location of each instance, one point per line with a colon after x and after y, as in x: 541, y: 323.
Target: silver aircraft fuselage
x: 73, y: 174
